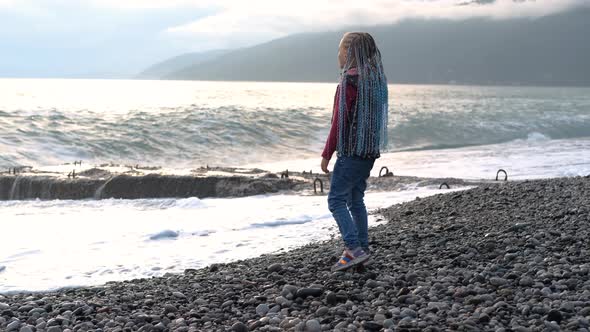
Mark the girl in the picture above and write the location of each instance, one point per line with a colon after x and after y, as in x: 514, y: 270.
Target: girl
x: 358, y: 131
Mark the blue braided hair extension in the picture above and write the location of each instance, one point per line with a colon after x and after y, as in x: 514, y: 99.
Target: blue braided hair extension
x: 366, y: 134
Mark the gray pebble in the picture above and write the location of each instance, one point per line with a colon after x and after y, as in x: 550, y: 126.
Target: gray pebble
x: 179, y: 295
x: 262, y: 309
x: 13, y: 326
x: 313, y: 326
x: 239, y: 327
x: 275, y: 267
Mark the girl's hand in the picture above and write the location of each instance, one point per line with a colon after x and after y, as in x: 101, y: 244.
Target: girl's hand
x: 325, y: 163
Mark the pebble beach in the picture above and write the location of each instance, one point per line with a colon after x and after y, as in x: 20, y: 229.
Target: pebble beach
x: 498, y: 257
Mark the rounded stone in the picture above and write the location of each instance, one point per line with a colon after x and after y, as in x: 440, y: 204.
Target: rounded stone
x: 372, y: 326
x: 313, y: 326
x: 498, y: 281
x: 322, y: 311
x: 331, y: 298
x: 388, y: 323
x: 408, y: 313
x: 239, y: 327
x: 13, y: 326
x: 179, y: 295
x: 275, y: 267
x: 305, y: 292
x: 526, y: 281
x: 168, y: 308
x: 262, y: 309
x: 554, y: 316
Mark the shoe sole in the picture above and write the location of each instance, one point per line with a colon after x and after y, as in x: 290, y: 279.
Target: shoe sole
x: 368, y: 262
x: 352, y: 263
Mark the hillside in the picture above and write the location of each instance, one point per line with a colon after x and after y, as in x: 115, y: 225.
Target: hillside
x: 550, y: 50
x: 178, y: 63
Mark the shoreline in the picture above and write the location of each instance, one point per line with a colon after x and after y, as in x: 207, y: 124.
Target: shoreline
x: 511, y: 255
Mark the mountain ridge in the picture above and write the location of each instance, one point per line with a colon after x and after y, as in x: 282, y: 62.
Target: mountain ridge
x: 550, y: 50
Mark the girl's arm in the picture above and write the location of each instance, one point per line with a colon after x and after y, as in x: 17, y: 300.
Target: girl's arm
x: 332, y: 140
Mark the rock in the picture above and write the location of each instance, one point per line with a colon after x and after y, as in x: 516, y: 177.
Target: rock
x: 305, y: 292
x: 179, y: 295
x: 168, y: 308
x: 4, y: 306
x: 498, y: 281
x: 25, y: 308
x: 313, y: 326
x: 483, y: 319
x: 388, y: 323
x: 280, y: 300
x: 372, y: 326
x: 551, y: 326
x: 408, y: 313
x: 289, y: 289
x: 331, y: 298
x: 379, y: 318
x: 403, y: 291
x: 54, y: 329
x: 262, y: 309
x: 26, y: 329
x: 526, y: 281
x: 275, y: 267
x: 322, y: 311
x: 341, y: 325
x: 239, y: 327
x: 371, y: 284
x: 554, y: 316
x: 13, y: 326
x: 36, y: 311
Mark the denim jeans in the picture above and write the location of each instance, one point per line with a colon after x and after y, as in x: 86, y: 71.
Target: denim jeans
x: 346, y: 199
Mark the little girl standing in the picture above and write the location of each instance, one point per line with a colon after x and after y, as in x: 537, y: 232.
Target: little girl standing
x: 358, y: 132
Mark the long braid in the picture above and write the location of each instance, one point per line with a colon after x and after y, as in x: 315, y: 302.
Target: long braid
x: 371, y: 114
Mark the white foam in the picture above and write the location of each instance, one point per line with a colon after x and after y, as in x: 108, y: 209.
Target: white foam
x: 523, y: 159
x: 75, y: 243
x: 535, y: 137
x: 190, y: 203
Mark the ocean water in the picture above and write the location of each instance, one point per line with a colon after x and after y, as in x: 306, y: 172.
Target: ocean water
x: 436, y: 131
x: 187, y: 124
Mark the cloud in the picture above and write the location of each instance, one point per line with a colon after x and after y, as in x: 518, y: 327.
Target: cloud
x: 252, y: 20
x: 150, y: 4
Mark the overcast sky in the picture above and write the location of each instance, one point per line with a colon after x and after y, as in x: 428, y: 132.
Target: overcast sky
x: 66, y: 38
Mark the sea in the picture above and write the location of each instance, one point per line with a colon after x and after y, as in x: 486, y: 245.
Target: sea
x: 466, y: 132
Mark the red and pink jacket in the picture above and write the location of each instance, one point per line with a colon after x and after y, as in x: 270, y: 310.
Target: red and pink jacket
x: 332, y: 141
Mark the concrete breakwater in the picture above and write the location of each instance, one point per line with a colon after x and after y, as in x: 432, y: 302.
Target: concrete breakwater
x: 134, y: 187
x: 133, y: 182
